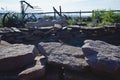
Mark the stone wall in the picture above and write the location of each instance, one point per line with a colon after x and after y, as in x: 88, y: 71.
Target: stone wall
x: 73, y: 35
x: 96, y: 60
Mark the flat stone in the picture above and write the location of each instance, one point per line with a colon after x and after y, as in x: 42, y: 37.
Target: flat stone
x: 34, y: 71
x: 63, y: 55
x: 102, y: 57
x: 13, y: 57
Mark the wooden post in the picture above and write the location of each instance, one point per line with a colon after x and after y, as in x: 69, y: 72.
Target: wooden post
x: 60, y: 10
x: 54, y: 15
x: 80, y: 18
x: 22, y: 9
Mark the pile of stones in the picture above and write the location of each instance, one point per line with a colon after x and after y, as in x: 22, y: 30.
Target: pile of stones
x: 20, y: 62
x: 95, y: 60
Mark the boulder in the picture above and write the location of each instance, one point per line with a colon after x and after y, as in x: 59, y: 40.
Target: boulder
x: 52, y: 73
x: 70, y: 75
x: 34, y: 72
x: 8, y: 77
x: 14, y: 57
x: 117, y: 25
x: 52, y: 76
x: 102, y: 57
x: 0, y: 38
x: 63, y: 55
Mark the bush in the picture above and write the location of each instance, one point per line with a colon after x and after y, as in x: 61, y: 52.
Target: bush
x: 71, y: 22
x: 105, y: 17
x: 12, y: 20
x: 108, y: 17
x: 111, y: 17
x: 116, y: 18
x: 97, y: 15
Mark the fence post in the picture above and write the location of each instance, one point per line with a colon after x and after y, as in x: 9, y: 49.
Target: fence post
x: 80, y: 17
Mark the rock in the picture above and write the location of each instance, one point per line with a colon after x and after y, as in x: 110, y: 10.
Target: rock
x: 54, y: 72
x: 4, y: 43
x: 69, y: 75
x: 63, y: 55
x: 102, y: 57
x: 117, y: 25
x: 35, y: 71
x: 75, y: 27
x: 8, y: 77
x: 57, y: 26
x: 15, y: 57
x: 64, y: 34
x: 0, y: 38
x: 15, y: 29
x: 52, y: 76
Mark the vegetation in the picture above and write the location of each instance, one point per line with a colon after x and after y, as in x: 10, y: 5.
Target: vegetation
x: 98, y: 18
x: 97, y: 14
x: 104, y: 17
x: 12, y: 20
x: 0, y: 22
x: 71, y: 22
x: 110, y: 17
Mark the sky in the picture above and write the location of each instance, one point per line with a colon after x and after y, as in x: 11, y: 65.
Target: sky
x: 67, y: 5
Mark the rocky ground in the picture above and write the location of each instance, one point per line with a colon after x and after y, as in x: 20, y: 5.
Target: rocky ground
x: 95, y: 60
x: 60, y: 54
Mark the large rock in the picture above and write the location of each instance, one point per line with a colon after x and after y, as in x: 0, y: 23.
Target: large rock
x: 8, y: 77
x: 0, y: 38
x: 15, y: 57
x: 117, y: 25
x: 69, y: 75
x: 63, y: 55
x: 53, y: 73
x: 102, y: 57
x: 34, y: 72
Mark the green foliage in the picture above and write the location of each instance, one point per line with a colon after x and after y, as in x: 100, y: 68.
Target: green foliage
x: 46, y: 17
x: 104, y: 17
x: 0, y: 22
x: 108, y: 17
x: 71, y: 21
x: 12, y: 20
x: 97, y: 14
x: 111, y: 17
x: 116, y: 18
